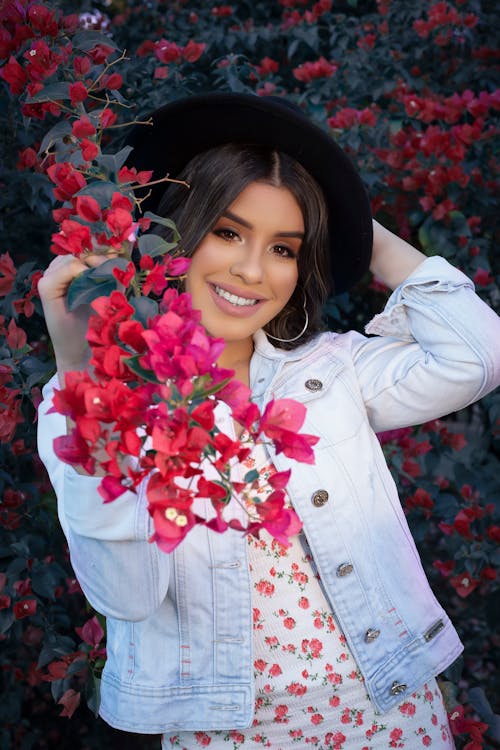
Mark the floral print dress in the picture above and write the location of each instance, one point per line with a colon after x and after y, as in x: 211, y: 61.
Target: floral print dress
x: 309, y: 692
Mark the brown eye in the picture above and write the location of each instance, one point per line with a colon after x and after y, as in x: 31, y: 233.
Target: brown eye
x: 283, y: 251
x: 226, y: 234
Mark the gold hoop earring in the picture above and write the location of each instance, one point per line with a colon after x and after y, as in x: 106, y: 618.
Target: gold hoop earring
x: 304, y: 329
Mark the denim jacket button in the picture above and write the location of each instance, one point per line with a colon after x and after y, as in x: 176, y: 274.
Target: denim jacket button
x: 371, y: 634
x: 398, y: 687
x: 344, y: 569
x: 313, y: 385
x: 319, y: 498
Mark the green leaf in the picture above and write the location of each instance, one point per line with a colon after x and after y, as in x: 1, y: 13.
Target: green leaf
x: 105, y: 270
x: 112, y: 163
x: 52, y: 92
x: 83, y: 290
x: 44, y: 581
x: 77, y: 666
x: 101, y: 190
x: 145, y: 309
x: 133, y: 364
x: 54, y: 647
x: 58, y: 132
x: 85, y: 40
x: 165, y: 222
x: 251, y: 476
x: 154, y: 245
x: 93, y: 694
x: 6, y: 620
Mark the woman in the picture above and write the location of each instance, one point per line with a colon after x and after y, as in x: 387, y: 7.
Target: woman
x: 336, y: 641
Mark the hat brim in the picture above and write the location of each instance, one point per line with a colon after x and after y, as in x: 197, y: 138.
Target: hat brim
x: 188, y: 126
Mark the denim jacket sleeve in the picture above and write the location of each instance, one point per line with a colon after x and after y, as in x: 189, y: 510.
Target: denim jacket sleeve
x: 436, y: 349
x: 121, y: 573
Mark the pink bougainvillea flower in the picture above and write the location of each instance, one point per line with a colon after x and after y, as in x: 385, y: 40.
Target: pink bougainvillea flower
x: 280, y: 422
x: 91, y: 632
x: 73, y: 449
x: 279, y: 521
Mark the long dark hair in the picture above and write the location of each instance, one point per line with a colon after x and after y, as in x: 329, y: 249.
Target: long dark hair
x: 216, y: 177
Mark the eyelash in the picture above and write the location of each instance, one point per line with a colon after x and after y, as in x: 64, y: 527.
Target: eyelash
x: 223, y: 233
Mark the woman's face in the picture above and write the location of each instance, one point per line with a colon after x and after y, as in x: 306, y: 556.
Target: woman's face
x: 245, y: 270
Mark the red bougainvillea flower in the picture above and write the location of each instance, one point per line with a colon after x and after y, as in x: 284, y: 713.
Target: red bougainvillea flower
x: 89, y: 149
x: 309, y: 71
x: 70, y: 700
x: 43, y: 20
x: 24, y: 608
x: 10, y: 413
x: 82, y: 127
x: 87, y: 208
x: 7, y: 274
x: 73, y: 239
x: 130, y: 174
x: 15, y: 75
x: 167, y: 52
x: 67, y: 179
x: 91, y: 632
x: 267, y: 66
x: 464, y: 584
x: 42, y: 62
x: 193, y: 51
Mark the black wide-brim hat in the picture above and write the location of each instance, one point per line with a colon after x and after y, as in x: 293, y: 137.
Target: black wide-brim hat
x: 188, y: 126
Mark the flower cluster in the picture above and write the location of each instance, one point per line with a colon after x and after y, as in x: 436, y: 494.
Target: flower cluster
x: 445, y: 19
x: 309, y: 71
x: 146, y: 416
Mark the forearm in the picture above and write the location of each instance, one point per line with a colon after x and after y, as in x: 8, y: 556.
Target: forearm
x: 393, y: 259
x: 108, y: 542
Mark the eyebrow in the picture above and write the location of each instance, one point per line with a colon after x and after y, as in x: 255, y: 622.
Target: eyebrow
x: 234, y: 217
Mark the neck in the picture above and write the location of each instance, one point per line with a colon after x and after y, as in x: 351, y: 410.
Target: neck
x: 236, y: 356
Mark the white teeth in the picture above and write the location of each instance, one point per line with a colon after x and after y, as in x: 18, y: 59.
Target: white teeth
x: 234, y: 299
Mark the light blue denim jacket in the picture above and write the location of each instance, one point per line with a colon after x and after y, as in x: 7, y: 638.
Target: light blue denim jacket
x: 180, y: 625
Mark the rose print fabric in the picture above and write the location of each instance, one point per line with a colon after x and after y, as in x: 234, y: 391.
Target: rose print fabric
x: 309, y: 692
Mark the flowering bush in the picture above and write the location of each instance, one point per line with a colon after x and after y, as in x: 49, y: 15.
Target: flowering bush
x: 408, y: 91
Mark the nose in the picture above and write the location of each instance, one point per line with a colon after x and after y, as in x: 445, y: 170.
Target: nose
x: 248, y: 266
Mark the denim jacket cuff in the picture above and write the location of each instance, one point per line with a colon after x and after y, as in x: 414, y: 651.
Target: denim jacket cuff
x: 434, y: 274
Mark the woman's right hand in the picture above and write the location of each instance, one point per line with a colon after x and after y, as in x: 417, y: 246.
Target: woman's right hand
x: 67, y: 328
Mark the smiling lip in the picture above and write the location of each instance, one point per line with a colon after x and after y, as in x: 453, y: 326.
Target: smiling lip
x: 233, y: 309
